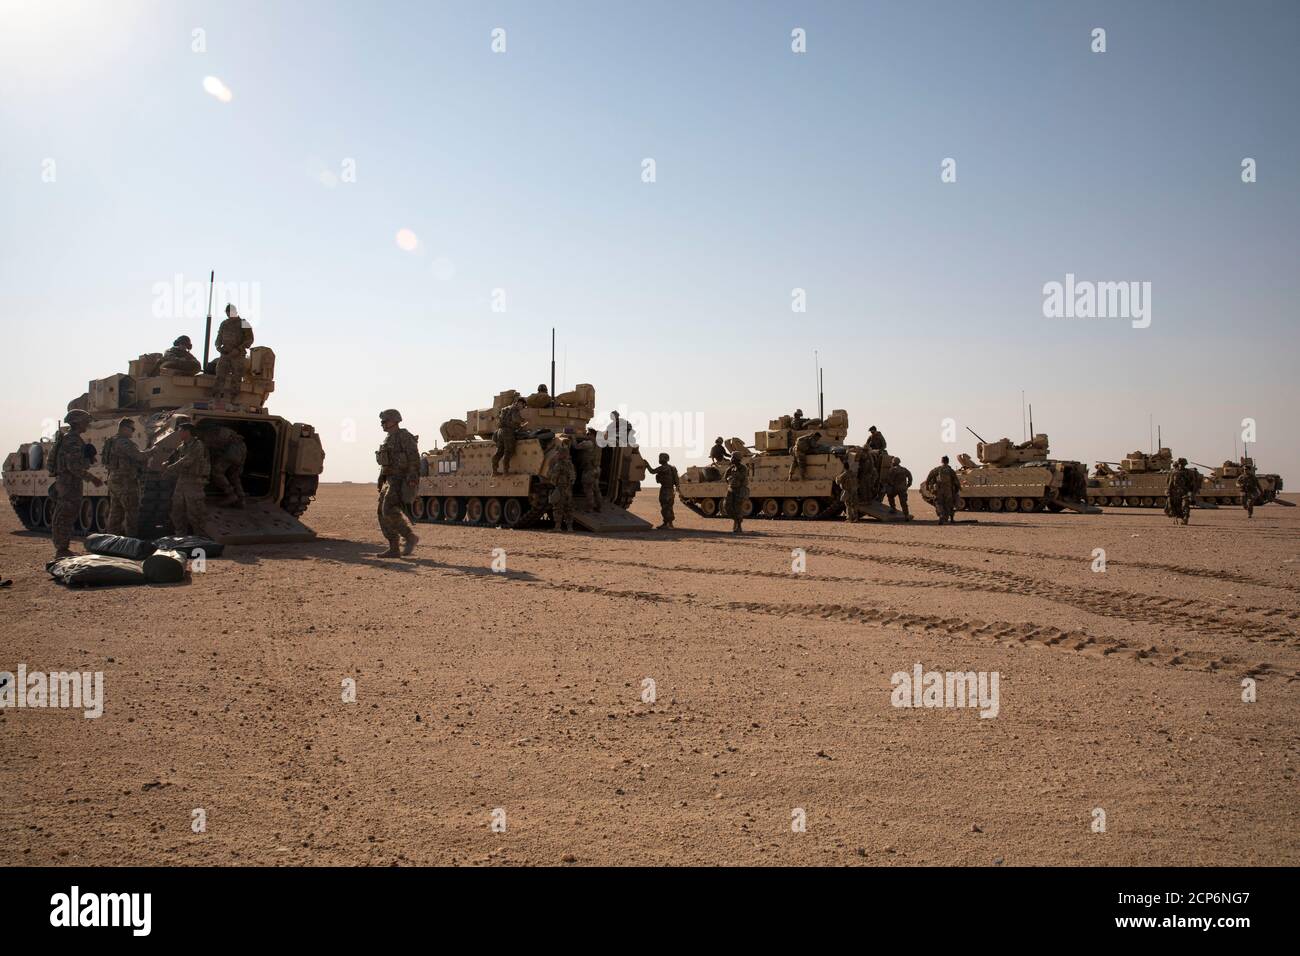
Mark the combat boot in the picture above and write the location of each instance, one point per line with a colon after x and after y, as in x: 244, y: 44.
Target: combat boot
x: 392, y: 551
x: 412, y: 540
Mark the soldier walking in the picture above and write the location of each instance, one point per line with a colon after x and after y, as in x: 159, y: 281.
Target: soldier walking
x: 234, y: 338
x: 737, y: 479
x: 507, y: 433
x: 1248, y: 484
x: 70, y: 468
x: 666, y: 475
x: 898, y: 480
x: 125, y: 463
x: 399, y: 478
x: 1178, y: 492
x: 944, y: 484
x: 188, y: 464
x: 561, y: 498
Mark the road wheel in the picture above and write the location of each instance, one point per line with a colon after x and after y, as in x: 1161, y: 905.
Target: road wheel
x: 474, y: 511
x: 35, y: 511
x: 747, y: 509
x: 47, y: 512
x: 811, y: 508
x: 1147, y: 502
x: 101, y: 515
x: 418, y: 509
x: 86, y: 517
x: 1011, y: 504
x: 433, y: 509
x: 790, y: 507
x: 960, y: 505
x: 1161, y: 502
x: 1131, y: 502
x: 454, y: 509
x: 709, y: 507
x: 511, y: 511
x: 492, y: 511
x: 771, y: 507
x: 995, y: 504
x: 1028, y: 505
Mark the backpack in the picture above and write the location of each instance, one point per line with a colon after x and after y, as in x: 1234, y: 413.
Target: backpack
x: 52, y: 460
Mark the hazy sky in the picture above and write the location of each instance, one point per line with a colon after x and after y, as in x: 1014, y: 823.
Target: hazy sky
x: 774, y: 170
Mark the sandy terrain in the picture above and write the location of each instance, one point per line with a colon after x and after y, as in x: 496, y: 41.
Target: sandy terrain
x: 475, y: 691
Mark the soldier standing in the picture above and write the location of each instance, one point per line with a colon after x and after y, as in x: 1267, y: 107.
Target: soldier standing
x: 666, y: 475
x: 1178, y: 502
x: 797, y: 421
x: 179, y: 358
x: 876, y: 440
x: 234, y: 337
x: 589, y: 460
x: 898, y: 480
x: 737, y: 479
x: 1248, y: 484
x: 848, y: 484
x: 507, y: 433
x: 943, y: 482
x: 125, y: 463
x: 399, y: 477
x: 188, y: 464
x: 561, y: 499
x: 70, y: 468
x: 227, y: 451
x: 799, y: 454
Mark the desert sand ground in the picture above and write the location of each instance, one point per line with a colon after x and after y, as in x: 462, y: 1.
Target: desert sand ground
x: 1119, y: 690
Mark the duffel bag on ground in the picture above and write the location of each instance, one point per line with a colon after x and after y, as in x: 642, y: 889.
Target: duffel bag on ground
x: 95, y: 570
x: 164, y: 567
x: 189, y: 545
x: 119, y: 546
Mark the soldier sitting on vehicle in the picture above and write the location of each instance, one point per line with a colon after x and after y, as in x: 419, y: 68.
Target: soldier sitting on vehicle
x: 180, y: 358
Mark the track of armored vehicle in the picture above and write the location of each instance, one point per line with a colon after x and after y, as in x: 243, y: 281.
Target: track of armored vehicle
x: 280, y: 474
x: 457, y: 483
x: 1021, y: 477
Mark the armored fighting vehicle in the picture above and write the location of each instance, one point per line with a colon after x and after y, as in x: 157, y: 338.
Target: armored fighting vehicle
x: 280, y: 474
x: 1137, y: 481
x: 457, y: 483
x: 773, y: 492
x: 1020, y: 477
x: 1220, y: 486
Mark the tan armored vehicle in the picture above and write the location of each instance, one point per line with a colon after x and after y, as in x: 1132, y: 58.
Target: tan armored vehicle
x: 773, y: 491
x: 1220, y: 486
x: 280, y: 474
x: 457, y: 483
x: 1020, y: 477
x: 1137, y: 481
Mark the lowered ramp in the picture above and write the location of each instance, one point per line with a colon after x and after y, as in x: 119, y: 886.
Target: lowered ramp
x: 610, y: 517
x: 258, y: 522
x: 1074, y: 504
x: 880, y: 512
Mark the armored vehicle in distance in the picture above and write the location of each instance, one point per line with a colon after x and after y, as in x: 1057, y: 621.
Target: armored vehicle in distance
x: 1220, y: 486
x: 1020, y: 477
x: 280, y: 474
x: 457, y: 483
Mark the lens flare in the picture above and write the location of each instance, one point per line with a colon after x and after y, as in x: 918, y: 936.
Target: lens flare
x: 218, y: 89
x: 406, y: 240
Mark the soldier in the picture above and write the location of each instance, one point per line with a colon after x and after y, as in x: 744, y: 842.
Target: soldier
x: 589, y: 462
x: 666, y: 475
x: 399, y: 478
x: 189, y: 465
x: 797, y: 421
x: 1178, y: 501
x: 542, y: 398
x: 848, y: 484
x: 234, y: 337
x: 70, y: 469
x: 803, y: 447
x: 125, y: 463
x: 943, y: 482
x: 737, y: 479
x: 561, y: 499
x: 227, y: 451
x: 507, y: 433
x: 876, y: 440
x: 897, y: 481
x: 180, y: 358
x: 869, y: 467
x: 718, y: 453
x: 1248, y: 484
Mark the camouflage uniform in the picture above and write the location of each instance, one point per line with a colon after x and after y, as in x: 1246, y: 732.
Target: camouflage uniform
x: 799, y: 455
x: 896, y: 484
x: 869, y: 476
x: 1178, y: 497
x: 180, y: 359
x: 71, y: 469
x: 561, y: 498
x: 876, y: 441
x: 228, y: 452
x: 589, y: 463
x: 125, y: 463
x: 189, y: 464
x: 797, y: 421
x: 234, y: 336
x: 666, y: 475
x: 1248, y: 484
x: 943, y: 481
x: 505, y: 436
x: 718, y: 453
x: 399, y: 465
x: 737, y: 479
x: 848, y: 484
